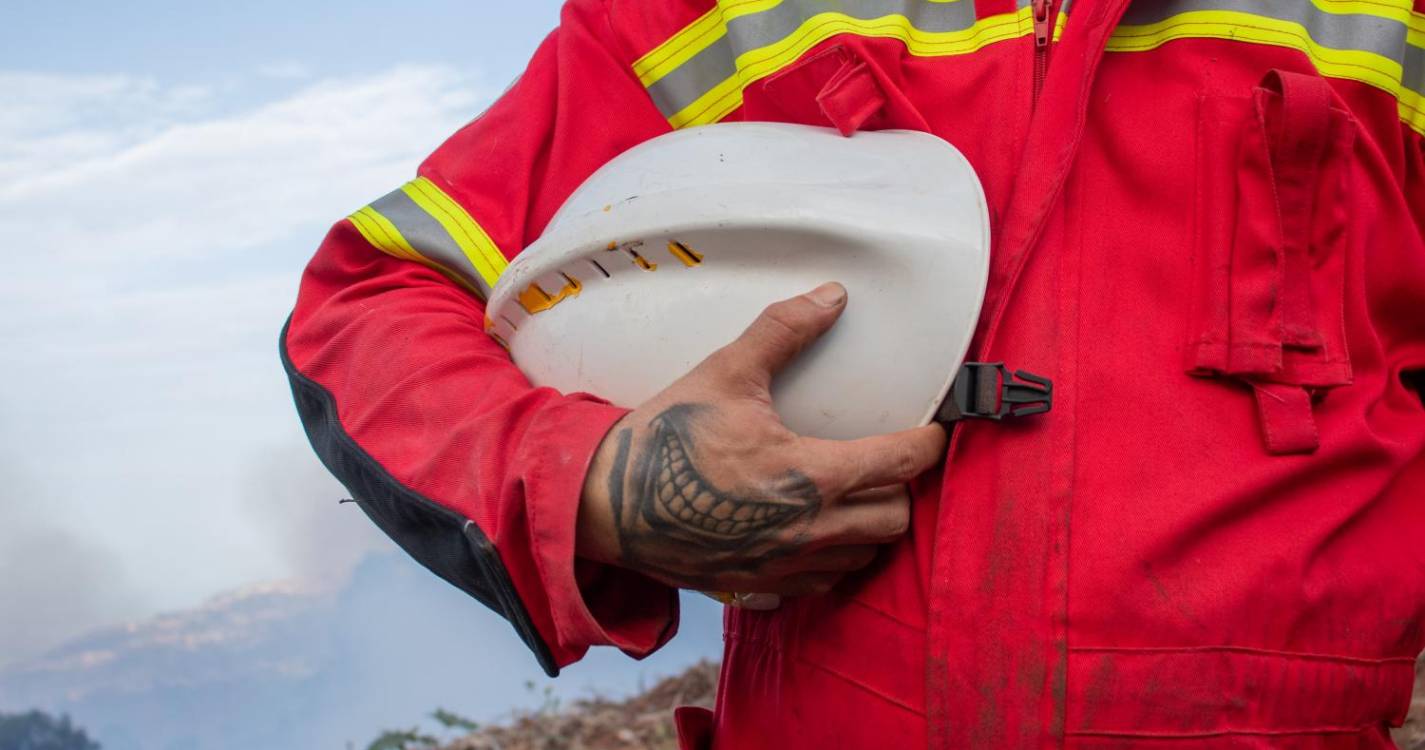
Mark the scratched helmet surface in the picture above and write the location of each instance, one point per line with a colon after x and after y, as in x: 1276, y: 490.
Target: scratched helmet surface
x: 671, y: 249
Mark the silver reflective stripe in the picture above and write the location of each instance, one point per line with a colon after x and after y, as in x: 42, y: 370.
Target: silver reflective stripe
x: 684, y: 85
x: 1413, y: 73
x: 427, y: 236
x: 716, y: 64
x: 1342, y: 31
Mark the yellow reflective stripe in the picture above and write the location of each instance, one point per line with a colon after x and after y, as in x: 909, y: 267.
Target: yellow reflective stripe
x: 712, y: 106
x: 1396, y: 10
x: 487, y: 259
x: 694, y: 38
x: 757, y: 64
x: 1412, y: 110
x: 384, y: 236
x: 691, y: 40
x: 1359, y: 65
x: 1356, y: 65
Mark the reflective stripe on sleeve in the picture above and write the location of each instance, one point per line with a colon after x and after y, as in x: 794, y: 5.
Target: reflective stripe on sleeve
x: 420, y: 222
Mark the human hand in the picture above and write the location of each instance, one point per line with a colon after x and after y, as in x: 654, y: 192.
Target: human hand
x: 703, y: 486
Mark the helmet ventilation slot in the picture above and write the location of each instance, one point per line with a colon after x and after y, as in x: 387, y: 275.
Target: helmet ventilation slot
x: 690, y: 257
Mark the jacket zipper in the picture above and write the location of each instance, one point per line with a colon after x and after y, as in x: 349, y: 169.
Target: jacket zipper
x: 1043, y: 13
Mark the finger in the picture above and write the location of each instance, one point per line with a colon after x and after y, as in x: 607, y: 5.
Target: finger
x: 878, y: 494
x: 784, y: 329
x: 837, y: 559
x: 808, y: 584
x: 845, y: 466
x: 760, y: 602
x: 872, y: 518
x: 757, y: 602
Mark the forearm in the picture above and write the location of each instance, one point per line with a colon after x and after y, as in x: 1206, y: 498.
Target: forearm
x: 451, y: 451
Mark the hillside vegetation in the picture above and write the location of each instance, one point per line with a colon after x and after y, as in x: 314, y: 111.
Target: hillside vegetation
x: 642, y: 722
x: 34, y: 730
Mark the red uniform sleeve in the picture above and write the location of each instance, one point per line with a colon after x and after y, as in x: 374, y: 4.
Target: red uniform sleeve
x: 1413, y: 372
x: 1415, y: 177
x: 424, y: 418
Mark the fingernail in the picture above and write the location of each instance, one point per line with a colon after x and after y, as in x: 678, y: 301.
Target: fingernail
x: 829, y: 294
x: 760, y: 602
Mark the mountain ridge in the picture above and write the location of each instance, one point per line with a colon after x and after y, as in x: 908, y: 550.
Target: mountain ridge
x: 292, y: 666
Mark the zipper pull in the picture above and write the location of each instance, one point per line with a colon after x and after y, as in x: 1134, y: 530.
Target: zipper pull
x: 1043, y: 13
x: 1042, y: 28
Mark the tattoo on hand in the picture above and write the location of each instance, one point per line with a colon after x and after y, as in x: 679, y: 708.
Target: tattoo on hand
x: 617, y: 475
x: 669, y: 501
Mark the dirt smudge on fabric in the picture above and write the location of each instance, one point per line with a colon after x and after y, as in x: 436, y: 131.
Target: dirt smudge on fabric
x: 1096, y: 692
x: 1172, y: 601
x: 1000, y: 560
x: 1059, y: 689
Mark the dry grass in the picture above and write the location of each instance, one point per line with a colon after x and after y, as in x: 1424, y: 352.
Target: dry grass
x: 642, y: 722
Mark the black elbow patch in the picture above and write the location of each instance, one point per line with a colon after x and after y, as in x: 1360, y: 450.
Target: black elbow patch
x: 1415, y: 381
x: 445, y: 542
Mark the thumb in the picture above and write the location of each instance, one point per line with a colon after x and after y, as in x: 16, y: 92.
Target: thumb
x: 785, y: 328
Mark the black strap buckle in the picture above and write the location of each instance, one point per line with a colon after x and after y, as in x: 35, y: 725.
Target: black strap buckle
x: 987, y: 390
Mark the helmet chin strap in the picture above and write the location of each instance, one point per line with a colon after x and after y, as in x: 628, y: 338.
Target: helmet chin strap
x: 988, y: 390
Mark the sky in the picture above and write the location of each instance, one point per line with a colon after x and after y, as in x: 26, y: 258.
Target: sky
x: 166, y: 169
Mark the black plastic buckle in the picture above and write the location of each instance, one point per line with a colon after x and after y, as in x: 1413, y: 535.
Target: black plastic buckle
x: 987, y: 390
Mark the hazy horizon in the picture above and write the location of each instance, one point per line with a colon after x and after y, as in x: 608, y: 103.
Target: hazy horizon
x: 166, y: 170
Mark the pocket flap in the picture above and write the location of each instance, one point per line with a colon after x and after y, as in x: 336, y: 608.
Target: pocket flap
x: 1272, y: 245
x: 832, y: 87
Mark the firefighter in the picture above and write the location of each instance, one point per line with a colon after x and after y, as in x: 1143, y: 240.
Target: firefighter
x: 1207, y: 224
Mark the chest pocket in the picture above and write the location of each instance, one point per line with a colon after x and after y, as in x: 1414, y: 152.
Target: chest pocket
x: 1271, y: 246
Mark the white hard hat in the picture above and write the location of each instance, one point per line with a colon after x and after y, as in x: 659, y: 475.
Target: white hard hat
x: 671, y: 249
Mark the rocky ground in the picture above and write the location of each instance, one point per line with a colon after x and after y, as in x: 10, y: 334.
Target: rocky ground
x: 1412, y: 735
x: 644, y: 722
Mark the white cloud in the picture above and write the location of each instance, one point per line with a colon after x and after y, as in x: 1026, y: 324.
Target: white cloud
x: 101, y: 222
x: 231, y: 182
x: 153, y: 238
x: 50, y: 119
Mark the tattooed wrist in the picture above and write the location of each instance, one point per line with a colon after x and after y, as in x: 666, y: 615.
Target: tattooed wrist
x: 663, y: 502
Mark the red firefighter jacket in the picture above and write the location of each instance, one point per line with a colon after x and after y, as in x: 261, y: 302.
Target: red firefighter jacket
x: 1207, y: 220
